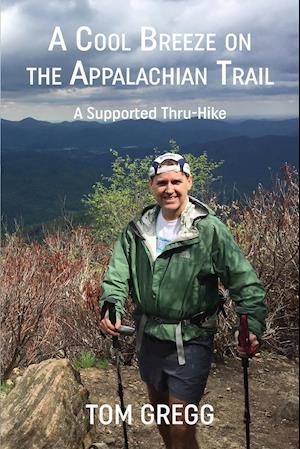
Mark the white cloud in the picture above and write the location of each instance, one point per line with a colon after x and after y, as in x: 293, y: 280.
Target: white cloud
x: 28, y: 26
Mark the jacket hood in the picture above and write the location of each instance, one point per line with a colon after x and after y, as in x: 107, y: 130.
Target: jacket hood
x: 194, y: 209
x: 145, y: 226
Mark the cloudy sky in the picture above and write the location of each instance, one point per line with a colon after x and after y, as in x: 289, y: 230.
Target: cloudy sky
x: 27, y: 27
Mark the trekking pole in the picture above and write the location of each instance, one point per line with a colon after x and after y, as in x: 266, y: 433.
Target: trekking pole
x: 244, y: 342
x: 110, y: 305
x: 116, y: 347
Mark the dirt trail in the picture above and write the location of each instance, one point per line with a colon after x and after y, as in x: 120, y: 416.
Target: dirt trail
x: 271, y: 380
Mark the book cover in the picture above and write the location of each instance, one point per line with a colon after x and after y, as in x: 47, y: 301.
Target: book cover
x: 82, y: 77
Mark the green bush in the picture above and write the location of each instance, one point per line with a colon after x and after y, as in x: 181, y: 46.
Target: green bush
x: 7, y: 386
x: 89, y: 360
x: 116, y: 200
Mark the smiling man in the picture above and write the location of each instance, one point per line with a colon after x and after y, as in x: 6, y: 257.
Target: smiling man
x: 171, y: 261
x: 170, y: 188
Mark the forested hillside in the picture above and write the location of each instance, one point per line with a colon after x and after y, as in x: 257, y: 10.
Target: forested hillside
x: 47, y: 168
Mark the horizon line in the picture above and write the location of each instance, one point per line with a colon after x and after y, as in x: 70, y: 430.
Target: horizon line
x: 233, y: 119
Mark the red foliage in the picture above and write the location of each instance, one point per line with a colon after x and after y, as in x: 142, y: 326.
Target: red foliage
x: 49, y: 297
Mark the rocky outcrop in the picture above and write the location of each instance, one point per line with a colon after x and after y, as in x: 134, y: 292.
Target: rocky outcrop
x: 46, y: 409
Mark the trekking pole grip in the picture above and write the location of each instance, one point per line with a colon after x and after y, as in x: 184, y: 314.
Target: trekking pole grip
x: 244, y: 340
x: 110, y: 306
x: 113, y: 318
x: 112, y: 314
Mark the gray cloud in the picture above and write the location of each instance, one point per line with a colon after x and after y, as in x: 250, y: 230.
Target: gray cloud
x: 28, y: 26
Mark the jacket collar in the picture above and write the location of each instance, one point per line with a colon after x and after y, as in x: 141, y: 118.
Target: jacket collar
x: 194, y: 210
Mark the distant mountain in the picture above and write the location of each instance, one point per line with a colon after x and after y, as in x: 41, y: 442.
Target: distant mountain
x: 37, y: 184
x: 248, y: 161
x: 30, y: 134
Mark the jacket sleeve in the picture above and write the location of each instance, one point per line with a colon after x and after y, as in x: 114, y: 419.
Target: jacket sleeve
x: 117, y: 278
x: 237, y: 274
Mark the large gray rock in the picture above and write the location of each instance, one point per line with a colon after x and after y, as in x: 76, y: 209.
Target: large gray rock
x: 46, y: 409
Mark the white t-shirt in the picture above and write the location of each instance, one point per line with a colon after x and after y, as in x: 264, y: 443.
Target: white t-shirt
x: 166, y: 231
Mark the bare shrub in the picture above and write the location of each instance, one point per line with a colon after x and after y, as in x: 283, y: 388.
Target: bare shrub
x: 49, y: 298
x: 267, y: 230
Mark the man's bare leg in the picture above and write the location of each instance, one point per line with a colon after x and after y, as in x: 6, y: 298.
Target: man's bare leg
x: 175, y: 436
x: 157, y: 398
x: 183, y: 436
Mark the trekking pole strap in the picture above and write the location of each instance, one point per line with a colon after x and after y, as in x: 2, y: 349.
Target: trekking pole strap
x: 108, y: 305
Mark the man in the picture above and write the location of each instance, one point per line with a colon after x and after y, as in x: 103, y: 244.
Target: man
x: 171, y: 261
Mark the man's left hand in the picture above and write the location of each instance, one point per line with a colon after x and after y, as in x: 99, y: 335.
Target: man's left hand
x: 253, y: 340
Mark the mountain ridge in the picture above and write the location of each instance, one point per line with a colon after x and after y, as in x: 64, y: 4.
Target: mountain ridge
x: 40, y: 177
x: 34, y: 134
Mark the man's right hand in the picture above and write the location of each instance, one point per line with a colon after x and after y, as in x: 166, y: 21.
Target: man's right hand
x: 108, y: 328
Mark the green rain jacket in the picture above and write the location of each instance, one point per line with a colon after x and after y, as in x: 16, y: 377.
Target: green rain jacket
x: 183, y: 280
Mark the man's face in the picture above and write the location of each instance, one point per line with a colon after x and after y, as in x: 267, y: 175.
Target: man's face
x: 171, y: 192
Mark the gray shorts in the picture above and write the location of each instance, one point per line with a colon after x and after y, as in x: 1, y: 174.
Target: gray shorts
x: 159, y: 367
